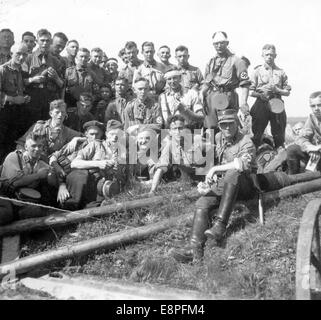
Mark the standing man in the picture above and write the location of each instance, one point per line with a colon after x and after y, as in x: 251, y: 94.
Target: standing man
x: 164, y: 54
x: 99, y: 74
x: 131, y: 53
x: 29, y: 39
x: 72, y: 48
x: 269, y: 82
x: 6, y: 42
x: 12, y: 100
x: 191, y: 76
x: 151, y: 70
x: 42, y: 79
x: 112, y: 71
x: 59, y: 42
x: 223, y: 74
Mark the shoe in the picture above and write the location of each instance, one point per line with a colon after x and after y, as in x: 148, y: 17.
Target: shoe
x: 188, y: 254
x: 217, y: 232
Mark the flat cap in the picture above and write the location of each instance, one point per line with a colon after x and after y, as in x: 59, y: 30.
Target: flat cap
x: 228, y: 115
x: 94, y: 123
x: 113, y: 124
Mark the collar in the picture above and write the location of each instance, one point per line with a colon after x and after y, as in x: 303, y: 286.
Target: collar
x: 135, y: 63
x: 80, y: 68
x: 27, y: 159
x: 229, y: 143
x: 268, y: 67
x: 12, y: 66
x: 186, y: 67
x: 171, y: 92
x: 38, y: 53
x: 150, y: 64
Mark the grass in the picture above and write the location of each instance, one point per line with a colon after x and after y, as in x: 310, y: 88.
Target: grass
x: 255, y: 261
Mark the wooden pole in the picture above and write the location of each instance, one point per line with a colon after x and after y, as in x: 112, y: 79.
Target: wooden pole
x: 85, y: 247
x: 63, y: 219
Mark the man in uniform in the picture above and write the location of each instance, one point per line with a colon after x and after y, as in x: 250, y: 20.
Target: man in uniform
x: 59, y: 41
x: 164, y: 54
x: 122, y: 55
x: 151, y: 70
x: 225, y: 182
x: 175, y: 101
x: 308, y: 144
x: 42, y: 79
x: 131, y: 53
x: 104, y: 59
x: 191, y: 76
x: 29, y: 39
x: 72, y: 48
x: 268, y: 82
x: 6, y: 42
x: 142, y: 109
x: 112, y: 70
x: 116, y: 109
x: 12, y: 100
x: 223, y: 74
x: 72, y: 183
x: 79, y: 79
x: 100, y: 75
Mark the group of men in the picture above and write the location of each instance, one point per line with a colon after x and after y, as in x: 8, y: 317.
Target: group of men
x: 76, y: 130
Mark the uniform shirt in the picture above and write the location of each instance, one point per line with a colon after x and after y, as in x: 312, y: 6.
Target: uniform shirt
x: 227, y: 151
x: 191, y: 77
x: 99, y: 74
x: 36, y: 63
x: 79, y: 80
x: 190, y: 99
x: 52, y: 143
x: 4, y: 57
x: 11, y: 82
x: 116, y: 110
x: 69, y: 61
x: 153, y: 72
x: 310, y: 134
x: 137, y: 112
x: 166, y: 67
x: 265, y: 76
x: 75, y: 120
x: 128, y: 70
x: 227, y: 72
x: 13, y: 171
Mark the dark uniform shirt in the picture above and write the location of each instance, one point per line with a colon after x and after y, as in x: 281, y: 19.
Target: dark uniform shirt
x: 99, y: 74
x: 76, y: 120
x: 129, y: 69
x: 137, y: 112
x: 4, y: 57
x: 116, y: 110
x: 69, y: 61
x: 191, y: 77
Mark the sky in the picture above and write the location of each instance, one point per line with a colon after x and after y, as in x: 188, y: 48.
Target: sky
x: 293, y: 26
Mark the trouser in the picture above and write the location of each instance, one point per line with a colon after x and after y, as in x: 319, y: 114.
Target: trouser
x: 261, y: 115
x: 6, y: 212
x: 12, y: 126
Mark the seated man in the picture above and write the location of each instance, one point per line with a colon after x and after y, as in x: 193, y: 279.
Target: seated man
x: 26, y: 170
x: 177, y: 153
x: 78, y: 116
x: 225, y: 182
x: 308, y: 145
x: 104, y: 159
x: 53, y: 131
x: 177, y: 101
x: 72, y: 183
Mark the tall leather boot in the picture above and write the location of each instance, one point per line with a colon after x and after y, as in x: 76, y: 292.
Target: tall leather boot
x: 195, y: 250
x: 217, y: 232
x: 293, y: 166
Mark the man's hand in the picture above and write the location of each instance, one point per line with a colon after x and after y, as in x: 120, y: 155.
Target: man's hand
x: 27, y: 99
x: 52, y: 73
x: 63, y: 194
x: 210, y: 174
x: 43, y: 173
x: 60, y: 171
x: 105, y: 164
x: 245, y: 109
x: 203, y: 188
x: 37, y: 79
x: 18, y: 100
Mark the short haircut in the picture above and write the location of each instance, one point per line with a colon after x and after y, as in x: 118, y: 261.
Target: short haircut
x: 86, y: 96
x: 130, y: 45
x: 223, y: 32
x: 34, y: 136
x: 165, y: 46
x: 83, y: 50
x: 315, y: 95
x: 141, y: 79
x: 75, y: 41
x: 122, y: 78
x: 269, y: 47
x: 148, y: 44
x: 7, y: 30
x: 43, y: 32
x: 61, y: 35
x: 28, y: 33
x: 121, y: 53
x: 96, y: 50
x: 176, y: 117
x: 56, y: 104
x: 181, y: 48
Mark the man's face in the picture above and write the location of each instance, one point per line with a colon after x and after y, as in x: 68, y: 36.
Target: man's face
x: 148, y: 52
x: 96, y: 57
x: 143, y: 140
x: 131, y: 54
x: 72, y: 49
x: 20, y: 55
x: 30, y: 42
x: 176, y: 128
x: 121, y: 88
x: 269, y: 56
x: 315, y: 105
x: 58, y: 115
x: 6, y: 39
x: 34, y: 148
x: 85, y: 105
x: 103, y: 62
x: 112, y: 67
x: 297, y: 128
x: 105, y: 93
x: 57, y: 45
x: 229, y: 129
x: 182, y: 57
x: 112, y: 136
x: 82, y: 58
x: 173, y: 82
x: 93, y: 133
x: 220, y: 46
x: 164, y: 54
x: 44, y: 43
x: 141, y: 89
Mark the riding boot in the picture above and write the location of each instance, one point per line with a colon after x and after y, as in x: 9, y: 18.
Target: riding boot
x: 195, y: 250
x: 218, y: 230
x: 293, y: 166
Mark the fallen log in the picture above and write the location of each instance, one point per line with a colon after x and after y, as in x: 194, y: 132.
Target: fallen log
x: 62, y: 219
x: 86, y: 247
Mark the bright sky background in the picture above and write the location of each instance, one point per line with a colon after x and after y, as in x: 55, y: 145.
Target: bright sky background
x: 292, y: 25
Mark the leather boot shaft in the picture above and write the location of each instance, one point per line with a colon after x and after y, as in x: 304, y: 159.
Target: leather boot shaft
x: 200, y: 224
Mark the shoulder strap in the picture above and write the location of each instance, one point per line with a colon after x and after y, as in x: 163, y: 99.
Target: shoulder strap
x: 19, y: 155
